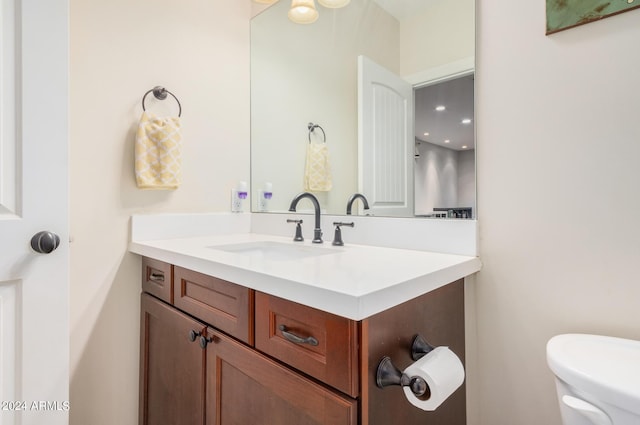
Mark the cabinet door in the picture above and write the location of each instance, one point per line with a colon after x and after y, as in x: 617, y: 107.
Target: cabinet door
x: 171, y: 366
x: 245, y: 387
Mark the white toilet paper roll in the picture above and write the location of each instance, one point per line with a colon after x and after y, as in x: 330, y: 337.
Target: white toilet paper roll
x: 443, y: 372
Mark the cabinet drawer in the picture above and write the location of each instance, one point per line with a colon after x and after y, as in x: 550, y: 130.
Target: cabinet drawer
x: 320, y: 344
x: 222, y: 304
x: 157, y: 279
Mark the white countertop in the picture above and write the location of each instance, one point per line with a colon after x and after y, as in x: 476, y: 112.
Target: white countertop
x: 354, y: 281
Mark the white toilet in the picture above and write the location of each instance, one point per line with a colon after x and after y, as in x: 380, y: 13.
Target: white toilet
x: 597, y: 379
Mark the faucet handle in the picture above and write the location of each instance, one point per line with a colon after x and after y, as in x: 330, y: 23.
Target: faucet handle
x: 337, y: 237
x: 298, y: 237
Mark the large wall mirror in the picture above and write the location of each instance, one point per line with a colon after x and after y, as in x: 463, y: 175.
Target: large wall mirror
x: 371, y: 78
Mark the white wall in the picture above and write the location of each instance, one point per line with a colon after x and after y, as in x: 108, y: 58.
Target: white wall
x: 559, y: 233
x: 444, y: 33
x: 119, y: 50
x: 443, y: 178
x: 436, y: 178
x: 467, y: 179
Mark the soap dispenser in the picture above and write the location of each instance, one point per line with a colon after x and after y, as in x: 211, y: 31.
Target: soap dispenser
x: 264, y: 195
x: 238, y: 195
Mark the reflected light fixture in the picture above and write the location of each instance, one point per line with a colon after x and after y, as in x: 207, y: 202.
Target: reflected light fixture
x: 303, y: 11
x: 334, y: 4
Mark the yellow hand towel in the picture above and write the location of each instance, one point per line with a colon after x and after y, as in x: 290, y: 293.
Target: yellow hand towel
x: 158, y: 152
x: 317, y: 173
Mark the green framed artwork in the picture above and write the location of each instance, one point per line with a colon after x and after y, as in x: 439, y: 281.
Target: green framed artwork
x: 565, y: 14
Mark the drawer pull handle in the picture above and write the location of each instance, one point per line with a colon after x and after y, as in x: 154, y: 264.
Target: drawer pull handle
x: 295, y: 338
x: 156, y: 277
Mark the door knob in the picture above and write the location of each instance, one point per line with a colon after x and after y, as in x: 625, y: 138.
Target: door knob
x: 45, y: 242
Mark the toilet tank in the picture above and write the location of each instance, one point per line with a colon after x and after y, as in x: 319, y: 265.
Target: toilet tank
x: 600, y: 370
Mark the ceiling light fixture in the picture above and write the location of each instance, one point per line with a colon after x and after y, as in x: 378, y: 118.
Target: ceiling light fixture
x: 426, y: 134
x: 466, y: 121
x: 303, y: 12
x: 440, y: 108
x: 464, y: 146
x: 447, y: 141
x: 334, y: 4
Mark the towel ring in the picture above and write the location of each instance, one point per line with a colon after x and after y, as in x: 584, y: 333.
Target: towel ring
x: 311, y: 126
x: 160, y: 93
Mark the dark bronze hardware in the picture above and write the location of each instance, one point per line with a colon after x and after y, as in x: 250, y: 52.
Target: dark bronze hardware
x: 337, y: 236
x: 193, y: 335
x: 45, y: 242
x: 298, y: 237
x: 160, y: 93
x: 387, y: 374
x: 420, y: 347
x: 157, y: 277
x: 295, y: 338
x: 204, y: 341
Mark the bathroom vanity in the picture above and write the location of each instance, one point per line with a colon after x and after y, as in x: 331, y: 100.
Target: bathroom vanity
x: 254, y: 329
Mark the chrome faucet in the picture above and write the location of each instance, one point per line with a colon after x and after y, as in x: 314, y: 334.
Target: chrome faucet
x: 317, y: 232
x: 353, y: 198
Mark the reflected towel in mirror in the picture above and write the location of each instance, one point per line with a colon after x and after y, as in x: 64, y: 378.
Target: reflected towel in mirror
x: 317, y: 172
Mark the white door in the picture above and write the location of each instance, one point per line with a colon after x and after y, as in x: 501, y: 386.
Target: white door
x: 34, y: 293
x: 385, y: 140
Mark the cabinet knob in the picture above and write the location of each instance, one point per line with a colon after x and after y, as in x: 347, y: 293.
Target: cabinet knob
x: 204, y: 341
x: 193, y: 335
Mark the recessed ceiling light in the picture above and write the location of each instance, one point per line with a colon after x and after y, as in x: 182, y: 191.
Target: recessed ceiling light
x: 426, y: 134
x: 447, y: 141
x: 466, y: 121
x: 464, y: 147
x: 440, y: 108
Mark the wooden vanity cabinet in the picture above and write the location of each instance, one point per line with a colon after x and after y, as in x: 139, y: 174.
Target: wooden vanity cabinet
x: 192, y: 372
x: 438, y: 316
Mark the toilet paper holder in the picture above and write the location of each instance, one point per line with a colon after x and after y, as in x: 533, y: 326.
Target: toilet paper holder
x: 387, y: 374
x: 420, y: 347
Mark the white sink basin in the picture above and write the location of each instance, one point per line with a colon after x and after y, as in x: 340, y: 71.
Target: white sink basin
x: 274, y: 251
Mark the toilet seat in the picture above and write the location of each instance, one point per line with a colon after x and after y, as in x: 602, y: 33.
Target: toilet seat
x: 606, y: 367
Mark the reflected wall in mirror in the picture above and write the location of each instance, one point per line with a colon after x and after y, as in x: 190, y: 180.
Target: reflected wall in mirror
x: 309, y: 73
